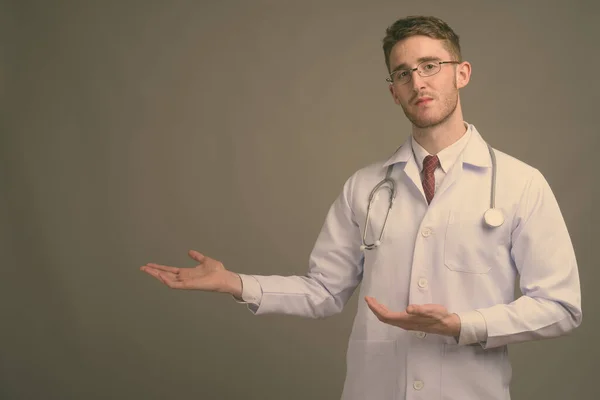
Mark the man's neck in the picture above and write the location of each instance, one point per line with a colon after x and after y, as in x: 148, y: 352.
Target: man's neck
x: 437, y: 138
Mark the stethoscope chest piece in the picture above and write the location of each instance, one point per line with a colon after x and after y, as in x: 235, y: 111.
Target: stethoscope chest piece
x: 493, y: 218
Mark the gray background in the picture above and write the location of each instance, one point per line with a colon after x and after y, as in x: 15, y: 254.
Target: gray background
x: 134, y: 131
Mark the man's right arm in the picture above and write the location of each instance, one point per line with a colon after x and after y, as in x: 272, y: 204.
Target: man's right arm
x: 335, y: 269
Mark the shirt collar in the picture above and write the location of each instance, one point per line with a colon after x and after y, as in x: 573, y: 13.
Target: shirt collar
x: 474, y: 151
x: 447, y: 156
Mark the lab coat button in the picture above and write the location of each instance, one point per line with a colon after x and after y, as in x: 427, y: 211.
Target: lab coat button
x: 418, y: 385
x: 421, y: 335
x: 422, y: 283
x: 426, y: 232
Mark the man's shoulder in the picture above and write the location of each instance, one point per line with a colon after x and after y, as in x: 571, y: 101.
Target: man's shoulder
x: 373, y: 170
x: 366, y: 177
x: 516, y: 172
x: 379, y: 166
x: 512, y: 161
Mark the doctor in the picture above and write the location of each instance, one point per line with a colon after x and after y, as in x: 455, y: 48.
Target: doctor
x: 438, y: 282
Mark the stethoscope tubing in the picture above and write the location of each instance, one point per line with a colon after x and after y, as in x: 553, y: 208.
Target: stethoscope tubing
x: 492, y: 217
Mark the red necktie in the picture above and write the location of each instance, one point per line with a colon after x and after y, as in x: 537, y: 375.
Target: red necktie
x: 430, y: 163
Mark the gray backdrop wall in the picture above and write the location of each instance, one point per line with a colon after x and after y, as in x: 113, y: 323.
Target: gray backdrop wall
x: 133, y: 131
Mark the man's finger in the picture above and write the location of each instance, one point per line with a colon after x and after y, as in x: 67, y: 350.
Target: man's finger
x: 377, y: 308
x: 416, y: 310
x: 425, y: 310
x: 170, y: 279
x: 170, y: 282
x: 382, y: 312
x: 196, y: 255
x: 160, y: 267
x: 421, y: 321
x: 156, y: 272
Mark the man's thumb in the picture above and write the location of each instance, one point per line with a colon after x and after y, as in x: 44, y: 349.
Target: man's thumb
x: 196, y: 255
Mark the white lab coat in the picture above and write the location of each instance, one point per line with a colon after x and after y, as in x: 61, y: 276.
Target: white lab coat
x: 442, y: 254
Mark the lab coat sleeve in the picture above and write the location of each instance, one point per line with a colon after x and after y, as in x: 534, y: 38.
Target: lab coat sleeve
x: 549, y: 280
x: 335, y: 269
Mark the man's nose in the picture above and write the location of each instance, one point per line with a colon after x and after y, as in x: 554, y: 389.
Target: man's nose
x: 417, y: 81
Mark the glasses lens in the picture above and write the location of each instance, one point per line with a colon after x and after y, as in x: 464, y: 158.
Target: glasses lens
x: 429, y: 68
x: 401, y: 76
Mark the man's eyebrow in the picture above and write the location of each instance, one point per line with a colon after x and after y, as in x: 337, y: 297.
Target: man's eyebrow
x: 420, y: 60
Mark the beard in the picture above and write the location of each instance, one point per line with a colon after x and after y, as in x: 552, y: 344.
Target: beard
x: 430, y: 118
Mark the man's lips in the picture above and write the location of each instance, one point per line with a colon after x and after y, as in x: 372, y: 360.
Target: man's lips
x: 423, y: 100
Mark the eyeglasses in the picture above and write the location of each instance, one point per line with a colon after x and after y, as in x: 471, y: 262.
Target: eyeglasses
x: 426, y: 68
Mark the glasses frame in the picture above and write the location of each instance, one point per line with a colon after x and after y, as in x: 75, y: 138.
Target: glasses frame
x: 411, y: 70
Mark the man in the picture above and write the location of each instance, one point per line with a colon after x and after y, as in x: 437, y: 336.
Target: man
x: 444, y: 263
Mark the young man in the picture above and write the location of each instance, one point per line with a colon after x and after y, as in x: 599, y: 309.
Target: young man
x: 444, y: 259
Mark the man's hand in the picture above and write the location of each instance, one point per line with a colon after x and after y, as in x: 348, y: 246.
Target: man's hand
x: 209, y: 275
x: 430, y: 318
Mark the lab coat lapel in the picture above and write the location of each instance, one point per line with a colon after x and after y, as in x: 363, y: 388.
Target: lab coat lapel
x: 405, y: 157
x: 475, y: 153
x: 411, y: 169
x: 452, y: 176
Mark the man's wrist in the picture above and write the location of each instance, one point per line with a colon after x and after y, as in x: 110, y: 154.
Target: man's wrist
x: 453, y: 325
x: 232, y: 284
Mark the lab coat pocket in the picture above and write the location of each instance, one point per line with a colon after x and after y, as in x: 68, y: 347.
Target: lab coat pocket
x: 471, y: 372
x: 371, y: 370
x: 470, y: 246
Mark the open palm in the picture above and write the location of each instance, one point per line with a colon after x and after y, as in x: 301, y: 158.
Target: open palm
x: 208, y: 275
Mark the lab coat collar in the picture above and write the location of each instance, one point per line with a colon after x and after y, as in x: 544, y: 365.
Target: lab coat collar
x: 475, y: 153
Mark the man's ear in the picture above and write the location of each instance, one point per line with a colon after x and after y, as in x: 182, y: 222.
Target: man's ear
x: 393, y: 93
x: 463, y: 74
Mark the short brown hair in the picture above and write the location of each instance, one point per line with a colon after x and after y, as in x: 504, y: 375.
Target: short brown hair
x: 432, y: 27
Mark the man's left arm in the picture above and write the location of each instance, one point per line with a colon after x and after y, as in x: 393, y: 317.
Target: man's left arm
x: 549, y: 279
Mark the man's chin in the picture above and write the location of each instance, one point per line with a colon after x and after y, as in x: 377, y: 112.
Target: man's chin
x: 424, y: 123
x: 426, y: 120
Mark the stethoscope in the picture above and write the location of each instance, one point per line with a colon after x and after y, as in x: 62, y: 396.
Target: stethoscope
x: 492, y: 217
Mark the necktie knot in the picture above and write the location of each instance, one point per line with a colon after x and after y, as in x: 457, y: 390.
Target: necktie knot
x: 430, y: 163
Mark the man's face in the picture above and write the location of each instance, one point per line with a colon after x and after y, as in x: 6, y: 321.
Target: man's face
x: 427, y: 101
